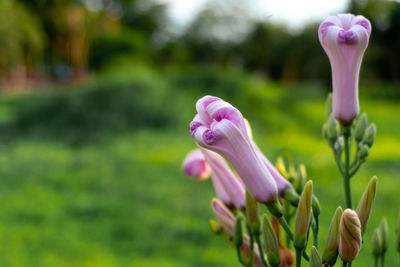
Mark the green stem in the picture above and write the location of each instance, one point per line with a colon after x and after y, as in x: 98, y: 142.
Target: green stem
x: 239, y: 255
x: 376, y: 261
x: 346, y: 176
x: 344, y: 264
x: 260, y: 249
x: 248, y: 263
x: 383, y: 260
x: 286, y: 227
x: 288, y: 216
x: 289, y: 233
x: 315, y: 231
x: 299, y: 252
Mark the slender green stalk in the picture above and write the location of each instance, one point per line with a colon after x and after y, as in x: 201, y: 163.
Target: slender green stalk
x: 376, y: 261
x: 315, y: 232
x: 239, y: 255
x: 383, y: 260
x: 286, y: 227
x: 260, y: 249
x: 299, y: 252
x: 288, y: 216
x: 289, y: 233
x: 346, y: 176
x: 248, y: 263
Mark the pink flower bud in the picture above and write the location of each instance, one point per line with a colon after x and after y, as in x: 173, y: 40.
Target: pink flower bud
x: 222, y: 175
x: 350, y: 236
x: 227, y: 220
x: 195, y: 165
x: 345, y: 38
x: 220, y: 127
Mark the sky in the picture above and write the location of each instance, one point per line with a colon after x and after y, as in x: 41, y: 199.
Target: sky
x: 293, y: 13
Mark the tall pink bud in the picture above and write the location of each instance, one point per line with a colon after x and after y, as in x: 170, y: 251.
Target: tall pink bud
x: 345, y: 38
x: 220, y: 127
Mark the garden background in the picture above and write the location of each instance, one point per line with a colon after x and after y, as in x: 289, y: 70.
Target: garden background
x: 95, y: 104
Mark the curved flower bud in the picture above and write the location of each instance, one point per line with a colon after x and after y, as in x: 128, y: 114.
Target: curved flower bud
x: 345, y: 38
x: 195, y: 165
x: 350, y: 236
x: 366, y: 203
x: 223, y: 175
x: 220, y: 127
x: 227, y: 221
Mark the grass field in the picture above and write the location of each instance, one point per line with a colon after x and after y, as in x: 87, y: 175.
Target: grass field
x: 123, y: 200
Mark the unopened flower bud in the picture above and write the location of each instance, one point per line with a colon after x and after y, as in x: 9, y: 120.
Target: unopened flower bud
x: 271, y: 242
x: 252, y: 214
x: 195, y: 165
x: 332, y: 241
x: 363, y: 153
x: 366, y: 203
x: 345, y: 38
x: 303, y: 217
x: 218, y: 126
x: 216, y: 228
x: 369, y: 135
x: 316, y: 207
x: 315, y: 260
x: 280, y: 166
x: 383, y: 227
x: 350, y: 236
x: 377, y: 243
x: 328, y: 105
x: 238, y: 231
x: 332, y: 129
x: 360, y: 128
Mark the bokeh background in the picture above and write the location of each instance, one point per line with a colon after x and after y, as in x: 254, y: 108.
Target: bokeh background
x: 97, y: 95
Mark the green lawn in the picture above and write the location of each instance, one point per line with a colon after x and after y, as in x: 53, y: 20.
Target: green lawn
x: 123, y: 200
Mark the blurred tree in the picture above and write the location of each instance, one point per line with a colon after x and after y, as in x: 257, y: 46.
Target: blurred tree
x: 21, y: 44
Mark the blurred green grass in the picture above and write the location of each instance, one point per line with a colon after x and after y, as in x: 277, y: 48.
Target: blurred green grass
x: 117, y: 196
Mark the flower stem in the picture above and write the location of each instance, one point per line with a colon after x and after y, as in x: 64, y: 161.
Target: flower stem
x: 315, y: 231
x: 286, y: 227
x: 289, y: 233
x: 346, y: 176
x: 383, y: 260
x: 299, y: 252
